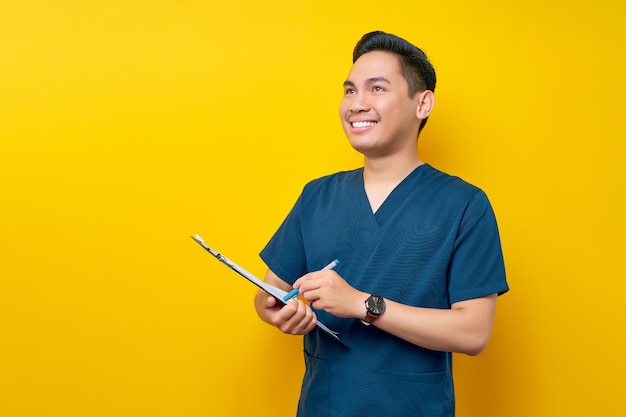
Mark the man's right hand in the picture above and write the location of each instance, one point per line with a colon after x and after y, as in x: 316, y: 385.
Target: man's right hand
x: 296, y: 317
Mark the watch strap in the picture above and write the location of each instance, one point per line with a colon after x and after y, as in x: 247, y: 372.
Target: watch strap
x: 369, y: 318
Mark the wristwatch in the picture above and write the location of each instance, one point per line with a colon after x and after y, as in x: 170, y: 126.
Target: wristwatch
x: 375, y: 306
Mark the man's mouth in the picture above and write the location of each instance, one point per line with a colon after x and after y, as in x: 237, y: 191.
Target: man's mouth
x: 363, y: 124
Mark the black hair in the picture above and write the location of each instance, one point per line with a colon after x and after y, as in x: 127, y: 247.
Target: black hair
x: 414, y: 65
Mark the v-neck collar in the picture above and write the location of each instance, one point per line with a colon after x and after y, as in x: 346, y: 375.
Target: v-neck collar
x: 391, y: 203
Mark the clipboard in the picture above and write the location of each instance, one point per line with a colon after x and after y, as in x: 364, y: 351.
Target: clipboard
x: 275, y: 292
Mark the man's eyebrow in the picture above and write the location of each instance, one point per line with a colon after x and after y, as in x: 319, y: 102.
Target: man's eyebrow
x: 369, y: 81
x: 375, y: 80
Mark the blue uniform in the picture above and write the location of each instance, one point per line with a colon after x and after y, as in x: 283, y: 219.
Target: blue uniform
x: 434, y: 241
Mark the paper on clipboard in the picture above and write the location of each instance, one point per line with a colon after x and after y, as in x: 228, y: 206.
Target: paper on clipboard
x: 277, y: 293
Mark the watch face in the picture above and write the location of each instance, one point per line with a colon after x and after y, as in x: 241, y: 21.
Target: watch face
x: 376, y: 304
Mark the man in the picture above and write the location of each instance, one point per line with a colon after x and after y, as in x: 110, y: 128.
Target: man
x: 420, y: 258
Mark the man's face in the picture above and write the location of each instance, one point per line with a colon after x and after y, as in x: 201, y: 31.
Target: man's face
x: 377, y: 114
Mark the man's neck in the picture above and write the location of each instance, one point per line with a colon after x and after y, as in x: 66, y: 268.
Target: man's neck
x: 382, y: 175
x: 389, y: 170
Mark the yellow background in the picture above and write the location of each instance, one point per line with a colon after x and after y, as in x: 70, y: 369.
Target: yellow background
x: 127, y: 126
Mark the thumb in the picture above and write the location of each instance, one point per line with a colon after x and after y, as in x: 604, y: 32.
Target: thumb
x: 270, y: 301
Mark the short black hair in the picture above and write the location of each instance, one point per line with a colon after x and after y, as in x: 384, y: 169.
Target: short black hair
x: 414, y: 64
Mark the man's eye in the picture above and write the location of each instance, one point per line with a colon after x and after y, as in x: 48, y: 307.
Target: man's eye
x: 349, y: 91
x: 378, y: 88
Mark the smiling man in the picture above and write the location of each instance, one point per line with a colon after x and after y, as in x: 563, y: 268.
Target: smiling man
x: 421, y: 263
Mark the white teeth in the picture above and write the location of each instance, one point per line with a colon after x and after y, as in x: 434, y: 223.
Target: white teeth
x: 363, y: 124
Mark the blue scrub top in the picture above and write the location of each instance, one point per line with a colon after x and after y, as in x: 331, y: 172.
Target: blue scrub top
x: 433, y: 242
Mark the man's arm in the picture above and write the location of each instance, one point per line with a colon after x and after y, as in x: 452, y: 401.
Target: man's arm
x: 296, y: 317
x: 464, y: 328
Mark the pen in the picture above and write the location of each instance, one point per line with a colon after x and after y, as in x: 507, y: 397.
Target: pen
x: 294, y: 293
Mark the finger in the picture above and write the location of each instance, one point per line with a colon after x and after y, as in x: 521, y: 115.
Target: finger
x: 310, y: 294
x: 310, y: 284
x: 295, y: 310
x: 297, y: 317
x: 312, y: 324
x: 284, y: 314
x: 297, y: 283
x: 270, y: 301
x: 306, y: 322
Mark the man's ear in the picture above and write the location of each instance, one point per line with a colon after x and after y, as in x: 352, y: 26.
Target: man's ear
x: 425, y: 104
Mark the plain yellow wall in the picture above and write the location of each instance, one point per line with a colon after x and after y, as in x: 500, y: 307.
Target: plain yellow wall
x: 128, y: 126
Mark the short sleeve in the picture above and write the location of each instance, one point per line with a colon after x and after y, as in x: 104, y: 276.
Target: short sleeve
x: 477, y: 265
x: 284, y: 254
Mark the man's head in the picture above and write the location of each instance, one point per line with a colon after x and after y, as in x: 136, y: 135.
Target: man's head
x: 414, y: 65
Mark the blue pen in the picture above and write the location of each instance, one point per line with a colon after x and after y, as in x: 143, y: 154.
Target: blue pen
x: 295, y: 292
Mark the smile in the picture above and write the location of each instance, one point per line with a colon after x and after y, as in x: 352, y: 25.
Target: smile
x: 363, y: 124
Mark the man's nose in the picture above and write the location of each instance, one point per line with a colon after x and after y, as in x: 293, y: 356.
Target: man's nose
x: 359, y: 103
